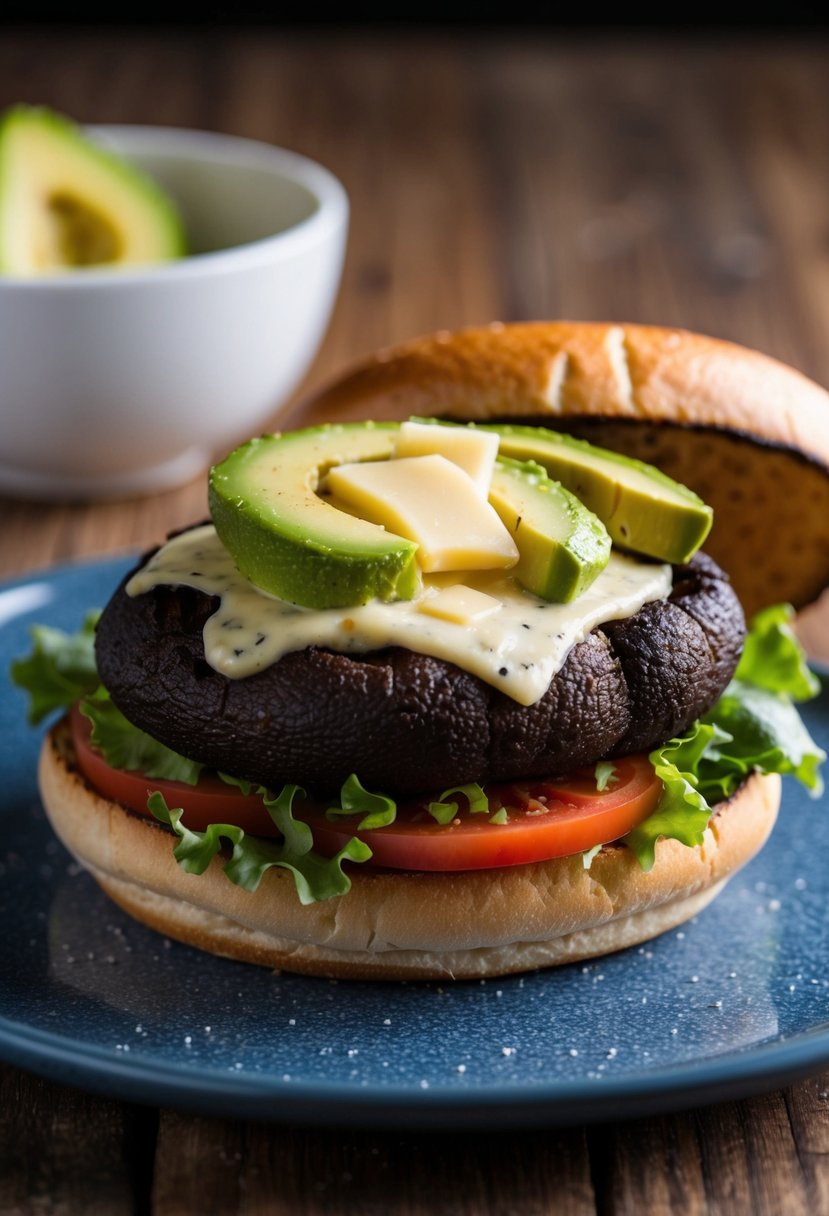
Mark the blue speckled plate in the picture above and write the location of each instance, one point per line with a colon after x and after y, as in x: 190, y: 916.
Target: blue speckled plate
x: 735, y: 1002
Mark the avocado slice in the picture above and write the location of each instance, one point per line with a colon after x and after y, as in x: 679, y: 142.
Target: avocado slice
x: 562, y: 545
x: 642, y: 508
x: 288, y: 540
x: 66, y: 203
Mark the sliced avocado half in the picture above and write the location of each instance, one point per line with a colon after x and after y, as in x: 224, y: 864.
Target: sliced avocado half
x: 642, y: 508
x: 66, y: 203
x: 288, y: 540
x: 562, y: 545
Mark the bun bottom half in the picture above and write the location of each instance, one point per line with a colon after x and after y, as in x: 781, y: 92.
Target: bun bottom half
x: 401, y: 925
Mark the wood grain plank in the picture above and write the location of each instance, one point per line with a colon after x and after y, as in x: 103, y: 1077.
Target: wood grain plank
x: 719, y: 1160
x: 38, y: 536
x: 63, y: 1152
x: 808, y: 1109
x: 420, y: 257
x: 211, y: 1166
x: 633, y: 186
x: 735, y: 1179
x: 199, y: 1166
x: 652, y: 1166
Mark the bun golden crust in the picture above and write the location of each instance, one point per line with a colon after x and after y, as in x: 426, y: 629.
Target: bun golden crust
x: 404, y: 925
x: 745, y: 431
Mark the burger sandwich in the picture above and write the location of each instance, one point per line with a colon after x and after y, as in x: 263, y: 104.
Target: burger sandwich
x: 456, y: 680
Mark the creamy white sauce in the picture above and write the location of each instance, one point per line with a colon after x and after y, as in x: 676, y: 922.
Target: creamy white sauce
x: 518, y: 649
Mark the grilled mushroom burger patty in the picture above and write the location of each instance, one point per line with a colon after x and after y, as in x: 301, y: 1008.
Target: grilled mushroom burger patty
x: 408, y: 723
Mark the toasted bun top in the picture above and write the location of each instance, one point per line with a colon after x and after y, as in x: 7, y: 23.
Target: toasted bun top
x: 745, y: 431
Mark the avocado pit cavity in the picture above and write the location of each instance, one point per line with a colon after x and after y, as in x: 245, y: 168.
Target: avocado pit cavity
x: 82, y: 235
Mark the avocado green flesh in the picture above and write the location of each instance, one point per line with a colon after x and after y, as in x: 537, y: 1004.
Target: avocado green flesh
x: 288, y: 540
x: 563, y: 547
x: 562, y: 499
x: 67, y: 203
x: 643, y: 510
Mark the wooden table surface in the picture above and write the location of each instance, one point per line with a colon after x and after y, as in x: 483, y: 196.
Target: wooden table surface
x: 492, y: 176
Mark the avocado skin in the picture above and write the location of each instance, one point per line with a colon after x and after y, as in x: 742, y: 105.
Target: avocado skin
x: 408, y: 724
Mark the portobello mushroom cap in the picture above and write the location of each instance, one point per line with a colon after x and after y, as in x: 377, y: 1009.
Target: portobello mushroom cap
x: 409, y: 724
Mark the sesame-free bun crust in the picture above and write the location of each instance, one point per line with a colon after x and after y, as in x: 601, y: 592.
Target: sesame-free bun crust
x: 748, y: 433
x: 403, y: 925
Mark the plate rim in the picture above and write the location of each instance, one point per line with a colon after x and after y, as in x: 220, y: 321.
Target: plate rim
x: 159, y: 1082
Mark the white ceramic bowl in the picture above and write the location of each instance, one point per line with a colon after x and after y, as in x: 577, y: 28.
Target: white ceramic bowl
x: 125, y: 382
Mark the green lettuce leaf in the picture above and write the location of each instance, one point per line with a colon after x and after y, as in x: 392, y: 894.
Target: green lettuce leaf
x: 316, y: 878
x: 764, y: 732
x: 125, y: 746
x: 754, y: 727
x: 60, y: 669
x: 444, y: 811
x: 377, y: 810
x: 682, y: 812
x: 241, y: 784
x: 589, y: 854
x: 773, y: 658
x: 606, y: 774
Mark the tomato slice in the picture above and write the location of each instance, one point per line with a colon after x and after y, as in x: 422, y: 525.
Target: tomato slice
x: 211, y: 800
x: 544, y: 819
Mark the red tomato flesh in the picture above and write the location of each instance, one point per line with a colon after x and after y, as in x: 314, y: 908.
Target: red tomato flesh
x: 545, y: 819
x: 211, y: 800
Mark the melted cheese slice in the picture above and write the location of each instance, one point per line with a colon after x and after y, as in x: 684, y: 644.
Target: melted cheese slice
x: 517, y: 648
x: 463, y: 605
x: 473, y: 451
x: 430, y: 500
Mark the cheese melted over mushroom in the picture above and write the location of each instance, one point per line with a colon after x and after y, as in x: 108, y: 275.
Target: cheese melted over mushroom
x: 517, y: 644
